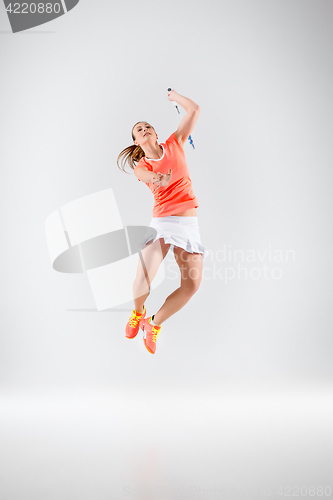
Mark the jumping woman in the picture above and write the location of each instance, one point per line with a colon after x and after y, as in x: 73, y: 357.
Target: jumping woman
x: 162, y: 167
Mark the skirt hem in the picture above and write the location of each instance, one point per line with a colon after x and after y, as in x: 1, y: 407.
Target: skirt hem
x: 187, y: 245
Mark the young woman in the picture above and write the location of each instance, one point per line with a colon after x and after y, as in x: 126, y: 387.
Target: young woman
x: 162, y: 167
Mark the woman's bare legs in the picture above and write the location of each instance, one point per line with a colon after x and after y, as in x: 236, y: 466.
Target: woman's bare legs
x: 190, y: 265
x: 151, y: 257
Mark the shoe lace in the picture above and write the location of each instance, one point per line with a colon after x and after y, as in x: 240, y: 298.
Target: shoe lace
x: 155, y: 333
x: 134, y: 319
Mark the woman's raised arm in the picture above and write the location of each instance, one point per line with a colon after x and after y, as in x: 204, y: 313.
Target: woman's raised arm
x: 192, y: 114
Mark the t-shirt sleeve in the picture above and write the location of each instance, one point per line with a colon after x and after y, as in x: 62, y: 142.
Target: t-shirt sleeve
x: 141, y: 163
x: 173, y: 140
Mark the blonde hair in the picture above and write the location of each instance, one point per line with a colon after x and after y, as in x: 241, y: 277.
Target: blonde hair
x: 131, y: 155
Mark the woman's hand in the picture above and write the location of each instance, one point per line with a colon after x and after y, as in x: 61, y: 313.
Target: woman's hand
x: 171, y: 95
x: 156, y: 178
x: 163, y: 179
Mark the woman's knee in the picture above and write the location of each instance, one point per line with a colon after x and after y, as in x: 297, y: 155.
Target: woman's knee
x: 194, y: 278
x: 141, y: 283
x: 190, y: 286
x: 151, y: 258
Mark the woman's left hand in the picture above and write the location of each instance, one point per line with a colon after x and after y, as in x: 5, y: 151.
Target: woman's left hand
x: 171, y: 95
x: 164, y: 179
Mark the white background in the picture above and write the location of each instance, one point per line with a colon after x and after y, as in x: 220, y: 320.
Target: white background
x: 239, y: 392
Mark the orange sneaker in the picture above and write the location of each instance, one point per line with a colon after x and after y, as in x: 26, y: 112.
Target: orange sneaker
x: 151, y: 332
x: 132, y: 326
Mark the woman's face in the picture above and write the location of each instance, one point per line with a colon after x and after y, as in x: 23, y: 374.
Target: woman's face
x: 144, y: 133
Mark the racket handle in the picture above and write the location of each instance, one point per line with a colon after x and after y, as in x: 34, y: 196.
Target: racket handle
x: 174, y: 102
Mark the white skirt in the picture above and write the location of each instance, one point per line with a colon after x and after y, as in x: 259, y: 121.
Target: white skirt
x: 179, y: 231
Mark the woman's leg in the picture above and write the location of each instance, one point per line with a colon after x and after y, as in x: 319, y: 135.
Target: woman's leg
x: 151, y: 257
x: 190, y: 265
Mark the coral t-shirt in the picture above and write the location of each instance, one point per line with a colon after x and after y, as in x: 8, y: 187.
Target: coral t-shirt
x: 178, y: 195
